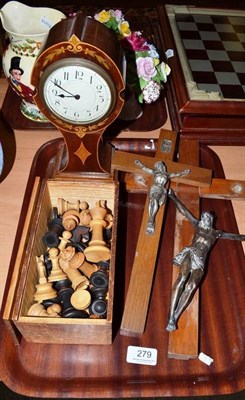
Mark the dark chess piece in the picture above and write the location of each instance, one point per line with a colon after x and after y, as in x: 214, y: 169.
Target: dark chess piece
x: 99, y: 279
x: 98, y: 293
x: 65, y: 291
x: 51, y: 237
x: 98, y: 307
x: 80, y: 234
x: 104, y: 265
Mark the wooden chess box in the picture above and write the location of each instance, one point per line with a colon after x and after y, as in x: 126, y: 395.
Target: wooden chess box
x: 44, y: 198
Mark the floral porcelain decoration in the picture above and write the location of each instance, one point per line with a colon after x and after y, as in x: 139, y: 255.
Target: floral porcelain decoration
x: 145, y: 72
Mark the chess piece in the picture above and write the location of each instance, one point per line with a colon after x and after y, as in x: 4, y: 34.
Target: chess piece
x: 88, y: 268
x: 85, y: 217
x: 73, y: 274
x: 99, y: 279
x: 98, y: 307
x: 80, y: 234
x: 54, y: 310
x: 70, y: 219
x: 98, y: 293
x: 64, y: 292
x: 37, y: 310
x: 81, y: 299
x: 97, y: 249
x: 104, y: 265
x: 77, y: 260
x: 56, y: 273
x: 44, y: 289
x: 64, y: 206
x: 64, y: 240
x: 55, y: 229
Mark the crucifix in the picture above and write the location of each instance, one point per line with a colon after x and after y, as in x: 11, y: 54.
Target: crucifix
x: 183, y: 343
x: 138, y: 296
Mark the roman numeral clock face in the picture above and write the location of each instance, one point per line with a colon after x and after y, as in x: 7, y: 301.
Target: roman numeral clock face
x: 77, y: 91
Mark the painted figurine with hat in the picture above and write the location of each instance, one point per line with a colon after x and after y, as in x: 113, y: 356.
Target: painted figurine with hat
x: 15, y: 74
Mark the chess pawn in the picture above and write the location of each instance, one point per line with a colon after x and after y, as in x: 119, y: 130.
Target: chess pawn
x: 44, y: 289
x: 88, y: 268
x: 66, y: 255
x: 85, y: 217
x: 64, y: 206
x: 56, y: 272
x: 37, y: 310
x: 54, y: 310
x: 51, y: 237
x: 99, y: 279
x: 65, y: 292
x: 97, y: 249
x: 81, y: 299
x: 70, y: 220
x: 98, y: 307
x: 64, y: 240
x: 84, y: 205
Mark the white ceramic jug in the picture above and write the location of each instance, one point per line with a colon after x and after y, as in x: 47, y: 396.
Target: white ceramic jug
x: 26, y: 31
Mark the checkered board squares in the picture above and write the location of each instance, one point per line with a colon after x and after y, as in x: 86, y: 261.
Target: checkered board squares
x: 215, y: 49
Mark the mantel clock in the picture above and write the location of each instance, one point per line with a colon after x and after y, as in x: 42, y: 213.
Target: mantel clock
x: 79, y: 81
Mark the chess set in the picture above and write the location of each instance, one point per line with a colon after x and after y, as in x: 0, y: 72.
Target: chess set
x: 207, y: 93
x: 65, y: 292
x: 215, y: 50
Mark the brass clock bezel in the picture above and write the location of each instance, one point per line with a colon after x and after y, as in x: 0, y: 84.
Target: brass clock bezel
x: 75, y: 61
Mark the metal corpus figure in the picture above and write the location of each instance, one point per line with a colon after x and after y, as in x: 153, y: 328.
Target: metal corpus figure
x: 191, y: 260
x: 158, y: 192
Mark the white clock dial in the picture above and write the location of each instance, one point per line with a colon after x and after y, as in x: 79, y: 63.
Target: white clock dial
x: 77, y: 91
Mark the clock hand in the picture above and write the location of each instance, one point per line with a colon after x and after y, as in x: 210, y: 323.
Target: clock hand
x: 76, y: 96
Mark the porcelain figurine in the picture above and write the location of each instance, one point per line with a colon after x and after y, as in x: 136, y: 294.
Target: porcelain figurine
x: 26, y: 31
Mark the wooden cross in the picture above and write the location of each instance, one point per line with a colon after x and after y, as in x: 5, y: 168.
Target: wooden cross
x: 183, y: 343
x: 136, y: 306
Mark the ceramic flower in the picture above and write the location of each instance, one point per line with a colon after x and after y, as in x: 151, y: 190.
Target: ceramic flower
x: 124, y: 29
x: 148, y: 73
x: 165, y: 71
x: 151, y: 92
x: 103, y: 16
x: 146, y: 68
x: 136, y: 42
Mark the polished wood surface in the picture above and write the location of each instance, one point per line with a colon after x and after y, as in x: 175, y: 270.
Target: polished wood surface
x: 88, y: 372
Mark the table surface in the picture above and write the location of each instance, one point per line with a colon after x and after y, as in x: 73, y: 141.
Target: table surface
x: 12, y: 189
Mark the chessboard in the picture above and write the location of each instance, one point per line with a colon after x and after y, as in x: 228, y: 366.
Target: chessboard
x: 215, y: 49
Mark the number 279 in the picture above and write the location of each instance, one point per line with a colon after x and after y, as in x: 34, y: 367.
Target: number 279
x: 144, y: 354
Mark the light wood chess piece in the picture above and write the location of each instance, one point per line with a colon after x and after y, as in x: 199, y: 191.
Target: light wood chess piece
x: 44, y: 289
x: 38, y: 310
x: 64, y: 240
x: 88, y: 268
x: 70, y: 219
x: 73, y: 274
x: 81, y: 299
x: 57, y: 273
x: 97, y: 249
x: 64, y: 206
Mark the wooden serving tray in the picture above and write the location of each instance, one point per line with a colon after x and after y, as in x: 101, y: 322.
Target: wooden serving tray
x: 91, y: 371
